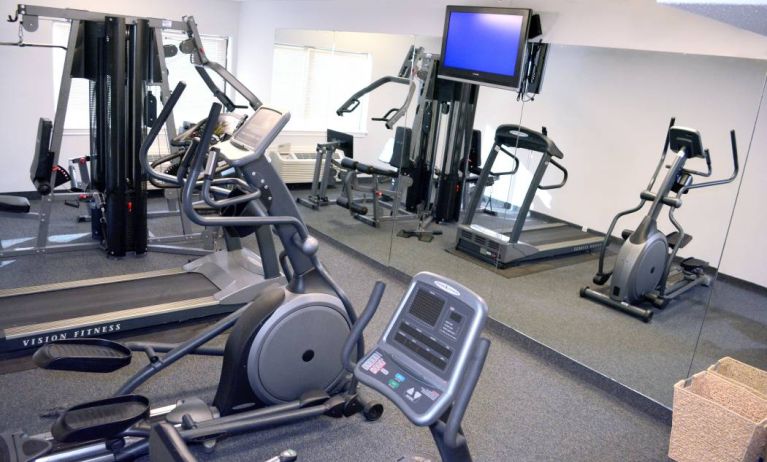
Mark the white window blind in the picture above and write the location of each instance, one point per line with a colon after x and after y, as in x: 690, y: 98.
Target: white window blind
x: 78, y: 116
x: 193, y: 105
x: 312, y: 83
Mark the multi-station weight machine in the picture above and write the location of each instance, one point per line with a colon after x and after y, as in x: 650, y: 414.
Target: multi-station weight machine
x: 121, y: 57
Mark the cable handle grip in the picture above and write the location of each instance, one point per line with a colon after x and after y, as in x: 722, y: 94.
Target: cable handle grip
x: 385, y: 117
x: 349, y: 106
x: 359, y: 327
x: 353, y: 102
x: 152, y: 136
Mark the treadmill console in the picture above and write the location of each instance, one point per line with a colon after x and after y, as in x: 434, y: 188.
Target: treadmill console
x: 421, y: 358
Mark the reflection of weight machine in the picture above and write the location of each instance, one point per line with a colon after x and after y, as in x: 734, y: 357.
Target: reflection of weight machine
x: 419, y: 190
x: 121, y: 56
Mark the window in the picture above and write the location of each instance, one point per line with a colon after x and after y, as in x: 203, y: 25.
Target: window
x: 194, y: 104
x: 312, y: 83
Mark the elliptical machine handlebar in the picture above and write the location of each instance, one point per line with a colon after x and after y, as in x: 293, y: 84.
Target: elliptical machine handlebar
x: 167, y: 109
x: 302, y: 239
x: 735, y: 167
x: 208, y: 180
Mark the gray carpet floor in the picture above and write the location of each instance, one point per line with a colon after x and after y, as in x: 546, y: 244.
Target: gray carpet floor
x: 545, y: 306
x: 523, y: 410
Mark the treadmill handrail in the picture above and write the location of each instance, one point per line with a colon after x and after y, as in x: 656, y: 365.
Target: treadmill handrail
x: 564, y: 177
x: 513, y: 157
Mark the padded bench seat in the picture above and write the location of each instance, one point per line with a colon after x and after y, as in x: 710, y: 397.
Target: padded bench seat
x: 14, y: 204
x: 351, y: 164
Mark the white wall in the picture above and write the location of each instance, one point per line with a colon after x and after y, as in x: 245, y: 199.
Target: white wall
x: 26, y: 87
x: 746, y: 249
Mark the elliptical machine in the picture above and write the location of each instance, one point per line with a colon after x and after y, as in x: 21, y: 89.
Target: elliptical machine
x: 644, y: 269
x: 270, y: 375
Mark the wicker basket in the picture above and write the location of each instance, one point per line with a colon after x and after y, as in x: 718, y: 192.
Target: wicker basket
x: 716, y: 419
x: 748, y: 376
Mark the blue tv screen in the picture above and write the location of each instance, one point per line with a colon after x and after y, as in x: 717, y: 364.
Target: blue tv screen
x: 484, y: 45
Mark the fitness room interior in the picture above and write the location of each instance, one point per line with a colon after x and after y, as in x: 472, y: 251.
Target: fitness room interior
x: 532, y: 227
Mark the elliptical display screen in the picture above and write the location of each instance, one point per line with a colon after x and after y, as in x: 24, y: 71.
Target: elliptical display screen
x: 256, y: 128
x: 484, y: 45
x: 427, y: 307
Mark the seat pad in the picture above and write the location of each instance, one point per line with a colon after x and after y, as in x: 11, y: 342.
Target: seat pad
x: 14, y: 204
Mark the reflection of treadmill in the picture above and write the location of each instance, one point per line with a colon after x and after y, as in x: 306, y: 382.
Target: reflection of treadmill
x: 542, y: 238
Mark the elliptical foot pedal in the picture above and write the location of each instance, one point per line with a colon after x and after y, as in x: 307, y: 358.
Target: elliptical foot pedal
x: 673, y: 238
x: 691, y: 264
x: 83, y: 355
x: 20, y: 447
x: 100, y: 419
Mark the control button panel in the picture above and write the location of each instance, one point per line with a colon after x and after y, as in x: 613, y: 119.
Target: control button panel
x: 416, y: 394
x: 420, y: 360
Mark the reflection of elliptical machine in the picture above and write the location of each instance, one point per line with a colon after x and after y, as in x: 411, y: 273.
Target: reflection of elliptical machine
x: 643, y: 269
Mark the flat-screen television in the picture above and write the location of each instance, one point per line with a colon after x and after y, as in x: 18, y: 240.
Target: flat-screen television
x: 484, y: 45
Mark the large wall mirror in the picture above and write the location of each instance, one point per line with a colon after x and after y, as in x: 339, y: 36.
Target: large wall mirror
x: 735, y: 325
x: 316, y: 75
x: 607, y: 111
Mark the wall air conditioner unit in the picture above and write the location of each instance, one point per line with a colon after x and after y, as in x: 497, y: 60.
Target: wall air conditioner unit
x: 295, y: 164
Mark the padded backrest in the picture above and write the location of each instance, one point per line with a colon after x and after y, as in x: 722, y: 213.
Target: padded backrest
x: 401, y: 153
x: 42, y: 164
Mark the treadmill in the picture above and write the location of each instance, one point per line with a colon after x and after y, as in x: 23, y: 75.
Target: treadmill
x: 217, y: 283
x: 524, y: 238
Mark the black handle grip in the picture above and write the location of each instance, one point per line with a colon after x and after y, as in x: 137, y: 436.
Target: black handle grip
x: 564, y: 177
x: 513, y: 157
x: 471, y: 377
x: 152, y: 136
x: 387, y: 116
x: 349, y: 106
x: 359, y: 326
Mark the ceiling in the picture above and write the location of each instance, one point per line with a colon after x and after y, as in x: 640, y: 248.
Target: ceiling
x: 745, y: 14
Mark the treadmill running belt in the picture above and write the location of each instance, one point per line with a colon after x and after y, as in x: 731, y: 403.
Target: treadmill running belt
x: 21, y: 310
x: 544, y: 236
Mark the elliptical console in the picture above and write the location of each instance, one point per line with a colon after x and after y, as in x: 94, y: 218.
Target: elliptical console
x: 429, y: 358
